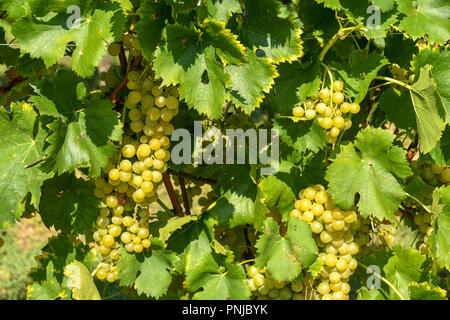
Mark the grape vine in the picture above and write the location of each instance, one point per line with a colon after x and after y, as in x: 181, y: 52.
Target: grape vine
x: 228, y: 150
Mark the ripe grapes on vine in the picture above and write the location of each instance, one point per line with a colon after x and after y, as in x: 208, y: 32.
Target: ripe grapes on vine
x: 100, y: 102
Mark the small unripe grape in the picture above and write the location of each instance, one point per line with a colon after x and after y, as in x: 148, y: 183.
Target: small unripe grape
x: 339, y: 122
x: 144, y: 151
x: 114, y: 49
x: 128, y: 221
x: 136, y: 126
x: 316, y: 227
x: 157, y: 176
x: 138, y: 196
x: 158, y: 164
x: 354, y: 108
x: 304, y: 204
x: 335, y: 277
x: 125, y: 176
x: 298, y: 112
x: 321, y: 197
x: 308, y: 216
x: 327, y: 123
x: 115, y: 255
x: 338, y: 86
x: 155, y: 144
x: 338, y: 97
x: 325, y: 237
x: 325, y: 95
x: 345, y: 107
x: 101, y: 274
x: 323, y: 288
x: 112, y: 201
x: 138, y: 248
x: 445, y: 175
x: 321, y: 108
x: 114, y: 174
x: 129, y: 247
x: 135, y: 97
x: 115, y: 231
x: 310, y: 114
x: 330, y: 260
x: 295, y: 213
x: 166, y: 115
x: 108, y: 241
x: 146, y: 243
x: 160, y: 101
x: 128, y: 151
x: 147, y: 187
x: 172, y: 102
x: 309, y: 193
x: 156, y: 91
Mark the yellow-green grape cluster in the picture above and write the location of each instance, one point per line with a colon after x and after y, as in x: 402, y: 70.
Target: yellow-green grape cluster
x: 424, y: 221
x: 335, y: 232
x: 128, y: 41
x: 135, y: 174
x: 435, y: 174
x: 330, y: 109
x: 264, y: 287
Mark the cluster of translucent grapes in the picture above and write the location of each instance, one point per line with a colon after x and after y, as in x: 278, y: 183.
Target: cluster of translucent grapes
x: 129, y: 41
x: 435, y: 174
x: 133, y: 176
x: 264, y: 287
x: 330, y: 109
x: 424, y: 221
x: 335, y: 231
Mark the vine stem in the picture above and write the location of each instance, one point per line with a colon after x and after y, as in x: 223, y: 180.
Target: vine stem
x: 184, y: 194
x: 419, y: 202
x: 173, y: 197
x: 114, y: 295
x: 341, y: 33
x: 246, y: 261
x: 391, y: 80
x: 385, y: 281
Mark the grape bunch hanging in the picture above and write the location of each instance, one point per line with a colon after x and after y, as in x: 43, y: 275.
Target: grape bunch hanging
x: 331, y: 109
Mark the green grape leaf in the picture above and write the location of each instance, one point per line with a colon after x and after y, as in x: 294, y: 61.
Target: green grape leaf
x: 150, y: 272
x: 237, y: 206
x: 48, y: 278
x: 227, y: 285
x: 150, y: 26
x: 359, y: 73
x: 397, y: 106
x: 48, y: 40
x: 68, y: 204
x: 265, y: 30
x: 441, y: 153
x: 276, y: 193
x: 439, y: 72
x: 228, y: 48
x: 50, y: 289
x: 439, y: 239
x: 80, y: 282
x: 218, y: 10
x: 295, y: 84
x: 286, y: 256
x: 21, y: 147
x: 250, y: 81
x: 202, y: 79
x: 301, y: 135
x: 174, y: 224
x: 429, y: 110
x: 403, y: 268
x: 81, y: 134
x: 423, y: 291
x: 369, y: 167
x: 426, y: 17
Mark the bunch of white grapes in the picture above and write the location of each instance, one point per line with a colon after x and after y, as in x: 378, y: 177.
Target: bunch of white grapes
x: 335, y: 231
x: 133, y: 176
x: 330, y: 109
x: 264, y: 287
